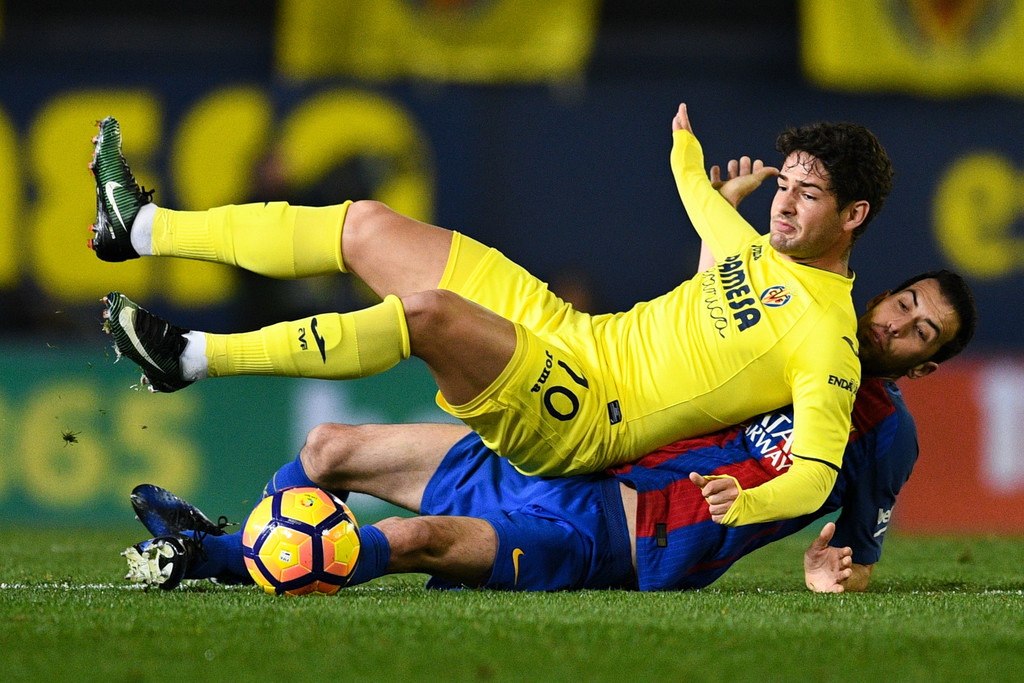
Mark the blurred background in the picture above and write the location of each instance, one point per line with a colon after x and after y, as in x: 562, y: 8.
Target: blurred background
x: 541, y: 127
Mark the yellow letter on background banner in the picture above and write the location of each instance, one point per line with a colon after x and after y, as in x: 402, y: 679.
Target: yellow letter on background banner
x: 929, y: 47
x: 467, y: 42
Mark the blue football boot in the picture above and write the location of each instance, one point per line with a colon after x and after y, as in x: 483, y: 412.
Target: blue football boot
x: 165, y: 514
x: 179, y: 528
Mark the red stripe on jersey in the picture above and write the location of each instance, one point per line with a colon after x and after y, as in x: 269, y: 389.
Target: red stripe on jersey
x: 681, y: 504
x: 655, y: 458
x: 678, y: 504
x: 871, y: 407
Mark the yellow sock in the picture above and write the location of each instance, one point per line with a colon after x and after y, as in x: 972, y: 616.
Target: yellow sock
x: 328, y: 346
x: 274, y: 239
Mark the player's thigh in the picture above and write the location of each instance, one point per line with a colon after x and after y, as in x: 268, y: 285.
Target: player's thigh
x: 548, y: 411
x: 392, y: 462
x: 486, y: 276
x: 456, y: 549
x: 465, y: 345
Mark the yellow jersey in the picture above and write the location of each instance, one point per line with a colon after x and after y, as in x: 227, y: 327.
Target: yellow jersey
x: 754, y: 333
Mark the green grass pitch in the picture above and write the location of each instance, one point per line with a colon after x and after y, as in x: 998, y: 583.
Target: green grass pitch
x: 940, y: 609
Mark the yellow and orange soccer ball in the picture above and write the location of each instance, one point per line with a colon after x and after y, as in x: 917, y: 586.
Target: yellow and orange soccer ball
x: 301, y: 540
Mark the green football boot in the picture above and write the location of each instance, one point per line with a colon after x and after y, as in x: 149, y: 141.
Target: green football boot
x: 151, y: 342
x: 118, y: 196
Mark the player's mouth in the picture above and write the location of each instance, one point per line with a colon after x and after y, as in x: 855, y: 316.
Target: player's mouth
x: 784, y: 226
x: 878, y: 336
x: 871, y: 336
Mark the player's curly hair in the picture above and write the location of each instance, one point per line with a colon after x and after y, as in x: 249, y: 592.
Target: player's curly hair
x: 857, y: 164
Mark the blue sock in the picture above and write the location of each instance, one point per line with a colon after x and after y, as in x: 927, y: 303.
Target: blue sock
x: 224, y: 560
x: 290, y: 474
x: 374, y: 555
x: 294, y: 474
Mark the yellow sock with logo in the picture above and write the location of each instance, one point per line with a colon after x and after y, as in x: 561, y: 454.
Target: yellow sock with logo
x: 274, y: 239
x: 327, y: 346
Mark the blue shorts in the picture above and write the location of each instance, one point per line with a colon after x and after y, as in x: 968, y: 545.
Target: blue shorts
x: 553, y: 534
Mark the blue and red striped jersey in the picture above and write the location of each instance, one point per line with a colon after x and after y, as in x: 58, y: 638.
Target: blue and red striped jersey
x: 678, y: 546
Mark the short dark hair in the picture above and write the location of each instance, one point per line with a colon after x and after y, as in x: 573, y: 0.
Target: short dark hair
x: 956, y: 290
x: 857, y: 164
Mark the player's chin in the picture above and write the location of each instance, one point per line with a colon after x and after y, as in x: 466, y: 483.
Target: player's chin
x: 786, y: 242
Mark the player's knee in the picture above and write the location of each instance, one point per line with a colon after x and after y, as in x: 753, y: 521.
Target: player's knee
x: 363, y: 220
x: 327, y: 449
x: 431, y: 314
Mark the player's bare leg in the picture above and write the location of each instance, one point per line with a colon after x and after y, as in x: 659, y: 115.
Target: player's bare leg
x: 390, y: 462
x: 455, y: 549
x: 392, y: 253
x: 464, y: 345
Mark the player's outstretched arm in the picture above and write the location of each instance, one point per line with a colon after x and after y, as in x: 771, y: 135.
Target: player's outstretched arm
x: 716, y: 221
x: 827, y: 569
x: 744, y: 177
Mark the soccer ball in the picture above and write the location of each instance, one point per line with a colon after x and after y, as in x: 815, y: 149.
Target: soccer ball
x: 301, y: 540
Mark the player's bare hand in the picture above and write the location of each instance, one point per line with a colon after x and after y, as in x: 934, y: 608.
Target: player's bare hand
x: 715, y: 175
x: 825, y: 567
x: 720, y: 494
x: 681, y: 121
x: 744, y: 176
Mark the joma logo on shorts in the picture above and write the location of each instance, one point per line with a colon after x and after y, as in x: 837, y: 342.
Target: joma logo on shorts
x: 548, y: 364
x: 561, y: 402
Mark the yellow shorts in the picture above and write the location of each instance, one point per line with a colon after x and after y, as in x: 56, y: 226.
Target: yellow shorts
x: 551, y: 411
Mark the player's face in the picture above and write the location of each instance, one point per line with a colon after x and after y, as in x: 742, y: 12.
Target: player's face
x: 901, y: 330
x: 806, y: 223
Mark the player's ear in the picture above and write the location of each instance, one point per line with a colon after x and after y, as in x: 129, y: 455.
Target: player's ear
x: 922, y: 369
x: 855, y: 213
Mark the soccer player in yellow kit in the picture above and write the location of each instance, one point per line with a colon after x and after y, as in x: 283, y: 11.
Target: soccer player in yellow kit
x: 554, y: 390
